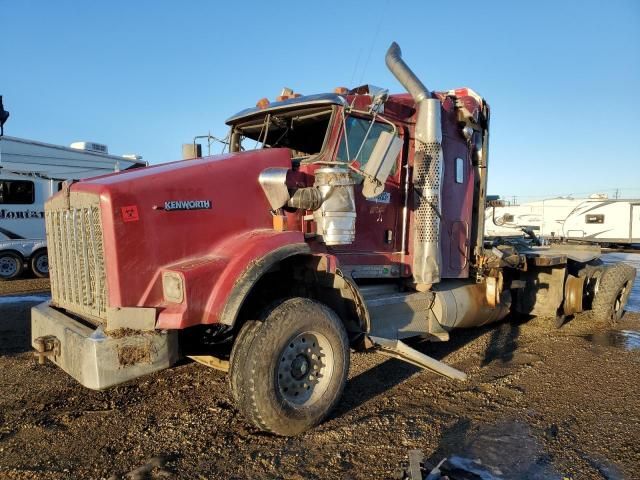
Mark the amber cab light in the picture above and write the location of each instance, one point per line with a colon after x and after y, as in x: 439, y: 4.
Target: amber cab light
x: 262, y: 103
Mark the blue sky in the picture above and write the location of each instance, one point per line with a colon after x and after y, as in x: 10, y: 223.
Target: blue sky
x: 562, y: 78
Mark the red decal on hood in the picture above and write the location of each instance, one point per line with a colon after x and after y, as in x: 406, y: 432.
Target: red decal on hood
x: 130, y: 213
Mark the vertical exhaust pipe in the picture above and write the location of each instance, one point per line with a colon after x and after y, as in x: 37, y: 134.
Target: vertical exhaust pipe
x: 427, y: 172
x: 404, y: 74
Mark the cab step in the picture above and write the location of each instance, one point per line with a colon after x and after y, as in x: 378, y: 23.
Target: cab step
x: 402, y: 351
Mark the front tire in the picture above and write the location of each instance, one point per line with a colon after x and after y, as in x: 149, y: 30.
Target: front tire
x: 289, y: 371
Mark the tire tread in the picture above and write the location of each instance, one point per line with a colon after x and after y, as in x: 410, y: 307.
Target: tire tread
x: 259, y: 341
x: 613, y: 278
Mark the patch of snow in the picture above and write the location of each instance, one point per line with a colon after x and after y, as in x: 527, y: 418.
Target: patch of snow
x: 12, y: 299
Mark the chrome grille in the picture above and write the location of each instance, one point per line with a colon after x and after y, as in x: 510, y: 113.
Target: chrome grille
x: 76, y: 260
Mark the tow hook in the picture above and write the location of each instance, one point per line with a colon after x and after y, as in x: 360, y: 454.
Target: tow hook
x: 47, y: 346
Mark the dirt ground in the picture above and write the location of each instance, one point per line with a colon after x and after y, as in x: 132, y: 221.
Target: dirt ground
x: 24, y: 285
x: 539, y: 403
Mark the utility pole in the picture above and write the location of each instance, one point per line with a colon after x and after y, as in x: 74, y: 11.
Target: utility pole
x: 617, y: 194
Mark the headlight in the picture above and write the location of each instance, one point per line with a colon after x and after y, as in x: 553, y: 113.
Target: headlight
x: 173, y: 287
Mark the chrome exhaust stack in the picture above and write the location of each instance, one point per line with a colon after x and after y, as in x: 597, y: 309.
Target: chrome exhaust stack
x: 427, y: 172
x: 403, y: 73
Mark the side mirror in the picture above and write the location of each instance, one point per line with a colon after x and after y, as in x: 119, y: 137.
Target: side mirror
x: 380, y: 163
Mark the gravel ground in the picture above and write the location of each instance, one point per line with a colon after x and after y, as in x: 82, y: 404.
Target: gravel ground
x: 539, y: 403
x: 24, y: 285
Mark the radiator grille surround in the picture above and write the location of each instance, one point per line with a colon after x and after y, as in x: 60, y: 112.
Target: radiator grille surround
x: 76, y: 259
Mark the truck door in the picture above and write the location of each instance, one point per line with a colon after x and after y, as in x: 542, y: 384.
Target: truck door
x: 378, y: 221
x: 457, y: 202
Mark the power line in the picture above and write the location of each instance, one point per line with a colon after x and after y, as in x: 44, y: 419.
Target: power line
x: 373, y: 42
x: 355, y: 68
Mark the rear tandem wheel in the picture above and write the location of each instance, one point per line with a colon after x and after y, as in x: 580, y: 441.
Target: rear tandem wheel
x: 611, y: 290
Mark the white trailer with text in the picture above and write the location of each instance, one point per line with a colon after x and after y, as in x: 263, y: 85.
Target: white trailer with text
x: 30, y: 172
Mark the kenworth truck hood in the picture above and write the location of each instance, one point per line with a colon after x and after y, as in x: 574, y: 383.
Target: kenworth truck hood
x: 163, y: 215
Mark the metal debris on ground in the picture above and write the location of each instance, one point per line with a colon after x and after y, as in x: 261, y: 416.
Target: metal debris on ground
x: 153, y: 468
x: 450, y: 468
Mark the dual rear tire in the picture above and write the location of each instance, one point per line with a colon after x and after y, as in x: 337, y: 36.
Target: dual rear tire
x: 607, y: 291
x: 288, y: 371
x: 611, y: 293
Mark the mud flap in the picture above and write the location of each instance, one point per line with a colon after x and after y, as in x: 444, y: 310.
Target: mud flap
x: 402, y: 351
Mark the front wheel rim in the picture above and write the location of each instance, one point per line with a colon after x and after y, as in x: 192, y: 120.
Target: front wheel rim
x: 8, y: 266
x: 305, y: 368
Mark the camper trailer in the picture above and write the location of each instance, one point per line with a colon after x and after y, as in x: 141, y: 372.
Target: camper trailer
x: 607, y: 222
x: 30, y: 172
x: 597, y: 219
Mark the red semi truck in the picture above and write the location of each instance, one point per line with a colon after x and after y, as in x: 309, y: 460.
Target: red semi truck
x: 349, y: 220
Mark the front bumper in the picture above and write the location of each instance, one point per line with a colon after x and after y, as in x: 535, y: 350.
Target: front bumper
x: 94, y: 359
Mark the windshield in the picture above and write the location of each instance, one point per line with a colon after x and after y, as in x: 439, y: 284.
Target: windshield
x: 360, y: 138
x: 302, y: 131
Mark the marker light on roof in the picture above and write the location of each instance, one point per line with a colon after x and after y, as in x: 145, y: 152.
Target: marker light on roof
x: 262, y: 103
x: 281, y: 98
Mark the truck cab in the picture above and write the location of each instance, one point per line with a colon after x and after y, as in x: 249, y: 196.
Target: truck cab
x: 345, y: 130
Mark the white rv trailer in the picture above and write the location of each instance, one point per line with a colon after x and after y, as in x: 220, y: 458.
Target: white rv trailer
x: 596, y: 220
x: 30, y: 172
